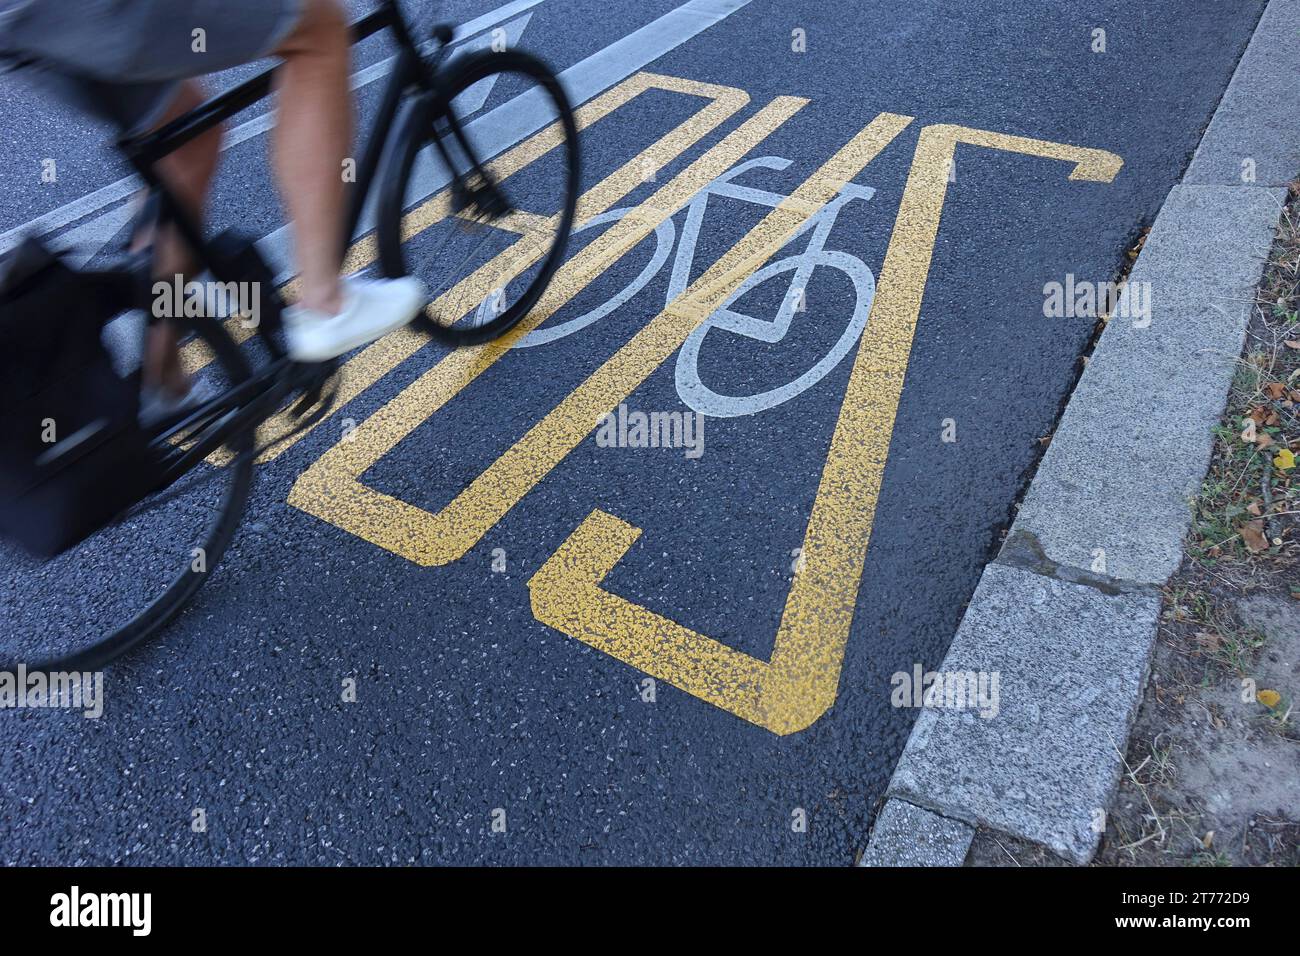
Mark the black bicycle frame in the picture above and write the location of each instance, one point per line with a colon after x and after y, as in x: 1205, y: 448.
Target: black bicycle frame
x: 237, y: 411
x: 411, y: 69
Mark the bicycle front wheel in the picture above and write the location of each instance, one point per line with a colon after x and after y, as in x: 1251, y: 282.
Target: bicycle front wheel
x: 481, y: 220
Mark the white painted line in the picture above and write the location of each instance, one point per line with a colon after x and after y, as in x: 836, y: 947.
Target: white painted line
x: 84, y: 242
x: 639, y: 49
x: 105, y: 196
x: 70, y: 212
x: 492, y: 18
x: 471, y: 100
x: 511, y: 122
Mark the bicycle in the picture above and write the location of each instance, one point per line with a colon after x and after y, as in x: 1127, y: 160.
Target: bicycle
x: 690, y: 387
x: 417, y: 126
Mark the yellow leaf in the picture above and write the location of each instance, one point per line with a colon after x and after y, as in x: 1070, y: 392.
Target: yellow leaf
x: 1269, y: 698
x: 1284, y: 460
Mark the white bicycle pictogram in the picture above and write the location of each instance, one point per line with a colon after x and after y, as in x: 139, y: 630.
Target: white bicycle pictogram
x: 690, y: 387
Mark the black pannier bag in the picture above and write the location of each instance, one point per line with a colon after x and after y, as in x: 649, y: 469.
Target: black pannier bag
x: 72, y: 454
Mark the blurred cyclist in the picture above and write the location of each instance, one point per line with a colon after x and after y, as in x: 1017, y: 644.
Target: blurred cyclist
x: 133, y: 62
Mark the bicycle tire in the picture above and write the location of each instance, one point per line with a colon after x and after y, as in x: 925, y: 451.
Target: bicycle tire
x: 148, y: 622
x: 415, y: 132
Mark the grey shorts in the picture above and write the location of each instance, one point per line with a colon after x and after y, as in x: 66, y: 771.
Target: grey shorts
x: 123, y: 59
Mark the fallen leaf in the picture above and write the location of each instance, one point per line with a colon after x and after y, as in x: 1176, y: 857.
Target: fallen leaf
x: 1269, y: 698
x: 1292, y: 343
x: 1263, y: 440
x: 1259, y: 414
x: 1208, y: 840
x: 1208, y: 640
x: 1255, y: 509
x: 1248, y: 431
x: 1275, y: 389
x: 1284, y: 460
x: 1252, y: 533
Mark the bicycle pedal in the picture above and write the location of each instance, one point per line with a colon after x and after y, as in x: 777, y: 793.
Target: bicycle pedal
x: 318, y: 411
x: 317, y: 377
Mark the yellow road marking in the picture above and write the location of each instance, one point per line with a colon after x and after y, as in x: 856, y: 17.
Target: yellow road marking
x: 517, y: 221
x: 377, y: 360
x: 801, y: 681
x: 331, y: 488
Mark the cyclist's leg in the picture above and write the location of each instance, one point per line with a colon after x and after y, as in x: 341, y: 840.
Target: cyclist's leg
x: 312, y: 137
x: 188, y: 173
x: 313, y: 133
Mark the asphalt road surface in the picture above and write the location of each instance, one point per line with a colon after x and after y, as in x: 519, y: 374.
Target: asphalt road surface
x: 412, y: 654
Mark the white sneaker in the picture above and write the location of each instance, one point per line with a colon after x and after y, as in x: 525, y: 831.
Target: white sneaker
x: 371, y: 308
x: 156, y: 405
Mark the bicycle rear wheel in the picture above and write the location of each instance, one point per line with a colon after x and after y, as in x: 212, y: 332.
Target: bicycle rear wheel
x: 115, y: 589
x: 483, y: 226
